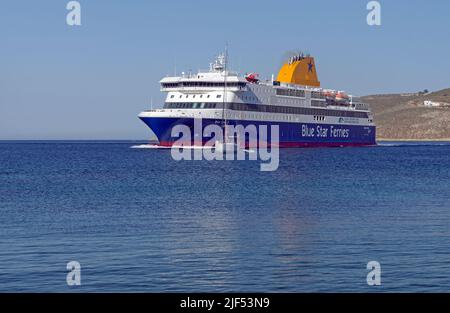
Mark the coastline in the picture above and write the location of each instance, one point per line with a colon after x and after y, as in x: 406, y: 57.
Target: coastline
x: 414, y: 140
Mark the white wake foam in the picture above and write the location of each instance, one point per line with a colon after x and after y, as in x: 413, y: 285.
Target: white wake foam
x: 148, y: 146
x: 155, y: 146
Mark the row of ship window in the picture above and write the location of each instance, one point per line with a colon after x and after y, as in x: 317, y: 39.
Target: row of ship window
x: 190, y: 105
x: 319, y: 118
x: 202, y: 84
x: 267, y: 109
x: 262, y: 116
x: 279, y: 91
x: 291, y: 93
x: 298, y: 93
x: 194, y: 96
x: 246, y: 98
x: 316, y: 103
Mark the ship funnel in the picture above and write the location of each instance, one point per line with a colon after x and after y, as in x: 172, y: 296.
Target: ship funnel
x: 299, y: 70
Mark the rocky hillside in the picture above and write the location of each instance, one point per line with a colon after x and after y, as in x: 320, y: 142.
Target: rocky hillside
x: 404, y: 116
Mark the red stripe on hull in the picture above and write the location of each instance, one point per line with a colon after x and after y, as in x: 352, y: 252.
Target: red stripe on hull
x: 300, y: 144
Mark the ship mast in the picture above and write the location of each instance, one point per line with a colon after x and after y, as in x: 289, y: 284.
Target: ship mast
x: 224, y: 102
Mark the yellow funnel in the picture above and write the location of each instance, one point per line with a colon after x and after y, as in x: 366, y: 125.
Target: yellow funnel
x: 301, y: 72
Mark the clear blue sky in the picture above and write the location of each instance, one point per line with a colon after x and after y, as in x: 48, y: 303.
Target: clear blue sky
x: 91, y: 81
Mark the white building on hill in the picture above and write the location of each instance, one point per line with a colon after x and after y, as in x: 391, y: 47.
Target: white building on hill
x: 429, y: 103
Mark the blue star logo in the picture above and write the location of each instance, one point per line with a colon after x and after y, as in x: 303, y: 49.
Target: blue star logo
x: 310, y: 66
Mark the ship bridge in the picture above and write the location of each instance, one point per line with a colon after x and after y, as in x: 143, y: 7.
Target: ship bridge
x: 216, y: 77
x: 203, y: 82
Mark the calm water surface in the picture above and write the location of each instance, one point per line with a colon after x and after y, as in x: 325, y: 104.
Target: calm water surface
x: 138, y: 221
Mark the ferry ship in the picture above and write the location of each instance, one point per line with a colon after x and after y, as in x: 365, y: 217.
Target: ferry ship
x: 306, y: 114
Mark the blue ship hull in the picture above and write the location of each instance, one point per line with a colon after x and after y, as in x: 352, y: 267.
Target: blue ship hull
x: 290, y: 134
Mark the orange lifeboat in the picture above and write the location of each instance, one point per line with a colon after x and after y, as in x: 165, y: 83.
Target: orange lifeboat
x: 329, y: 94
x: 342, y: 98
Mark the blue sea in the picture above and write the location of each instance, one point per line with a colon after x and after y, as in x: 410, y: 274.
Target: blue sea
x: 136, y: 220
